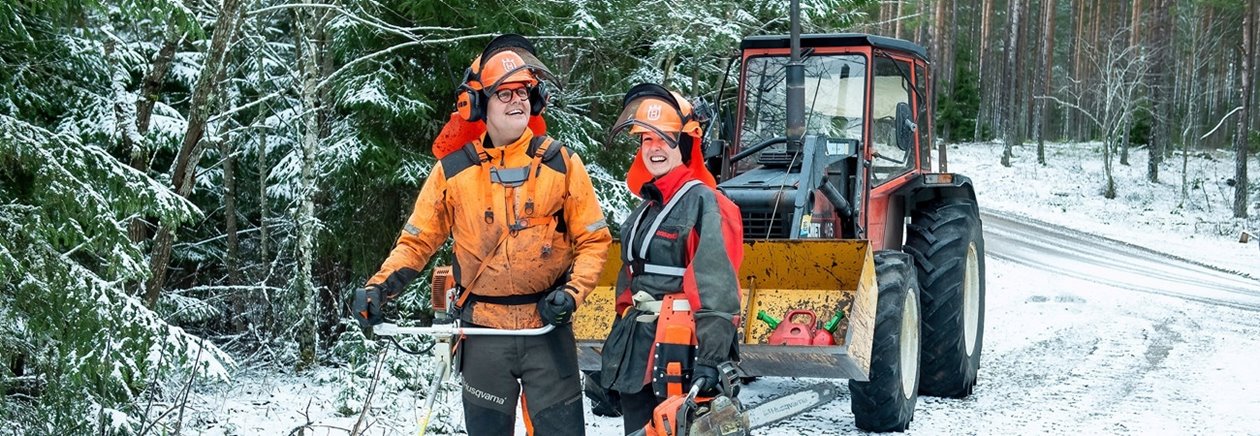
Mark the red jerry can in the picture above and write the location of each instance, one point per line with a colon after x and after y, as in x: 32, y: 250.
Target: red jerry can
x: 789, y: 332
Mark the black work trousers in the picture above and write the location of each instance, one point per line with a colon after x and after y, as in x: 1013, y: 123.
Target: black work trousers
x: 636, y: 408
x: 499, y: 369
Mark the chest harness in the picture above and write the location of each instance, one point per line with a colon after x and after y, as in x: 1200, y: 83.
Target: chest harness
x: 544, y: 152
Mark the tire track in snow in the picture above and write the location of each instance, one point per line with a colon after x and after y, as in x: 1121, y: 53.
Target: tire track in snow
x: 1114, y: 263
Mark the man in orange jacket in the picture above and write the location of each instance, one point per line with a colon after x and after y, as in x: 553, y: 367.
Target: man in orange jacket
x: 530, y: 242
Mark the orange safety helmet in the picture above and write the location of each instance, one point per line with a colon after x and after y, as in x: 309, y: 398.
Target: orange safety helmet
x: 511, y: 59
x: 652, y: 108
x: 508, y: 58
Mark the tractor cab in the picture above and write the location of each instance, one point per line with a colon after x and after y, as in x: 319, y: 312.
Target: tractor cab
x: 866, y: 127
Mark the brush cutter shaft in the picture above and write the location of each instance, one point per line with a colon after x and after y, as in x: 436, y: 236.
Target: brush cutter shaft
x: 388, y: 329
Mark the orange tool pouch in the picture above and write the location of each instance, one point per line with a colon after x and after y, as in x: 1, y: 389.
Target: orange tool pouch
x: 674, y: 352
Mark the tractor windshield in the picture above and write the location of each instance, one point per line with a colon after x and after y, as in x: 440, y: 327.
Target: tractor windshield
x: 835, y: 92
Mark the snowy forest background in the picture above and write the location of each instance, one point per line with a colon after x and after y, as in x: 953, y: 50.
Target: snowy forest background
x: 190, y: 186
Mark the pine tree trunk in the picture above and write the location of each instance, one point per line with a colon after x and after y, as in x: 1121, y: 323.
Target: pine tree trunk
x: 985, y: 22
x: 1011, y: 93
x: 1135, y: 23
x: 190, y: 150
x: 1047, y: 79
x: 899, y: 27
x: 1191, y: 132
x: 1161, y: 93
x: 1241, y: 140
x: 1092, y: 74
x: 1128, y: 119
x: 1072, y: 127
x: 949, y: 38
x: 1024, y: 99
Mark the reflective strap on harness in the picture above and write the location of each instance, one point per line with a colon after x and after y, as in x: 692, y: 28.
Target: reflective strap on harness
x: 656, y: 224
x: 672, y: 271
x: 651, y: 230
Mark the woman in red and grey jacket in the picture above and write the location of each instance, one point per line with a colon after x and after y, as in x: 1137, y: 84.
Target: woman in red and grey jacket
x: 681, y: 249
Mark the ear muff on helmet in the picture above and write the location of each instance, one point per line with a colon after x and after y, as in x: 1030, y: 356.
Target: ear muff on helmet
x: 685, y: 142
x: 539, y: 98
x: 470, y: 103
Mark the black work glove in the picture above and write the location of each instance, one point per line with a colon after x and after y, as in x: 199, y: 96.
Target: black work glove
x: 365, y: 307
x: 604, y: 401
x: 557, y: 307
x: 708, y: 379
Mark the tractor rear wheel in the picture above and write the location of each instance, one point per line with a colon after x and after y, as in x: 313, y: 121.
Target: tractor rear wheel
x: 886, y: 402
x: 947, y: 243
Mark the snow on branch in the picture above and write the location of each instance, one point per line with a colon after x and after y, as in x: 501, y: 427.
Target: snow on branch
x: 1221, y: 123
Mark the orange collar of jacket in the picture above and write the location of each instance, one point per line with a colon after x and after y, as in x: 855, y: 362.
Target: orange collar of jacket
x: 519, y: 147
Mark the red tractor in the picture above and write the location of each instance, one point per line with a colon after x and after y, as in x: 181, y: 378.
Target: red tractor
x: 855, y: 164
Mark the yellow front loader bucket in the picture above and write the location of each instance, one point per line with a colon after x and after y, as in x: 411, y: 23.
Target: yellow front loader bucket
x: 776, y: 276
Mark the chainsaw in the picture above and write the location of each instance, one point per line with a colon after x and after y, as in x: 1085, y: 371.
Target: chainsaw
x: 723, y: 415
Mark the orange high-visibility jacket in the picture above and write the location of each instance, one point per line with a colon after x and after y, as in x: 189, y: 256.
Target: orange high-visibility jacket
x: 525, y: 220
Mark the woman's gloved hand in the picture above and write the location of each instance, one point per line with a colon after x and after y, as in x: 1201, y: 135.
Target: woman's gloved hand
x: 707, y: 377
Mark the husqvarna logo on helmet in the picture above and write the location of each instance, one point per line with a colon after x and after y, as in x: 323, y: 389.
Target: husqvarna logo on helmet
x: 654, y: 112
x: 508, y: 63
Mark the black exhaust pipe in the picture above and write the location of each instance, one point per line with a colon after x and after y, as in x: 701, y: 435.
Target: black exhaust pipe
x: 795, y: 85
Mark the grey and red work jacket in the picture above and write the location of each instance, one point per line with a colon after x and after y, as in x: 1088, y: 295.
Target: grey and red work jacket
x: 678, y: 240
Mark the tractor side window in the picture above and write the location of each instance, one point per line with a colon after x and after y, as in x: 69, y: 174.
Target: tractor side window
x: 834, y: 101
x: 922, y: 80
x: 891, y: 88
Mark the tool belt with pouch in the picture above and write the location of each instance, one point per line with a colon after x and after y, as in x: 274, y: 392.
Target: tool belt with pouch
x: 674, y: 351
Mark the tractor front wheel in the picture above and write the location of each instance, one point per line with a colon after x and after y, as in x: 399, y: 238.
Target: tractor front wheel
x: 886, y: 402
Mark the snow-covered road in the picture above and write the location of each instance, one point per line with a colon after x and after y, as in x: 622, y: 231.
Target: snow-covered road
x: 1115, y: 263
x: 1089, y: 335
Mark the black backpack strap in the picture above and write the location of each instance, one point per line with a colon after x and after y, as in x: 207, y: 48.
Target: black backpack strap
x: 461, y: 160
x: 552, y: 156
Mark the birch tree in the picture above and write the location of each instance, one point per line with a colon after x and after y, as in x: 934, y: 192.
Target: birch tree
x: 1119, y: 89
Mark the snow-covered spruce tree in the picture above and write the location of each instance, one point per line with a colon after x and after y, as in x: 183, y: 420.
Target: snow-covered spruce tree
x: 81, y: 352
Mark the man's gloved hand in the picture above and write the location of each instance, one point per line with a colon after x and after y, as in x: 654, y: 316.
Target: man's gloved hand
x: 366, y: 305
x: 708, y: 378
x: 557, y: 307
